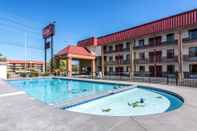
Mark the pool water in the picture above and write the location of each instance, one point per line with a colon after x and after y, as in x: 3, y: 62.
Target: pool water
x: 56, y: 91
x: 134, y: 102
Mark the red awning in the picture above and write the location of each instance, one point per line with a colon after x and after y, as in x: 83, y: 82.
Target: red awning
x: 76, y: 52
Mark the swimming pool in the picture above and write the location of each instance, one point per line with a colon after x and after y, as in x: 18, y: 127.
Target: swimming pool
x: 135, y: 102
x: 119, y: 100
x: 57, y: 91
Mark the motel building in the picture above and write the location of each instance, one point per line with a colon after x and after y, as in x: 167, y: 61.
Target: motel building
x: 154, y: 49
x: 17, y: 66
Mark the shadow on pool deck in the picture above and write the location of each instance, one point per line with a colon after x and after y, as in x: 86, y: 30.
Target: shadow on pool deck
x: 22, y: 113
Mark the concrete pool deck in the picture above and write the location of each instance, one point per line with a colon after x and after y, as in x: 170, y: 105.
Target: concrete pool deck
x: 20, y: 112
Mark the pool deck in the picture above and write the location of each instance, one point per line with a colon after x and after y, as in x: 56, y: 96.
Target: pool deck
x: 20, y: 112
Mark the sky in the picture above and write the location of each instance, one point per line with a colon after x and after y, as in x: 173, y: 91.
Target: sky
x: 21, y: 21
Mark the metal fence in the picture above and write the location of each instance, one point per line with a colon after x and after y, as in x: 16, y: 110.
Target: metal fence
x: 156, y: 80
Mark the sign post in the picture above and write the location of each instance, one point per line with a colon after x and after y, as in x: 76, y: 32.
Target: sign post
x: 47, y: 33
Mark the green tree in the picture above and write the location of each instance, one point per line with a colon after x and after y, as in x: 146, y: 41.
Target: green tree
x: 2, y: 58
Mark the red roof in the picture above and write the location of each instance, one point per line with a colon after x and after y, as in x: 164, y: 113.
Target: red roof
x: 23, y: 62
x: 87, y: 42
x: 75, y: 50
x: 179, y: 21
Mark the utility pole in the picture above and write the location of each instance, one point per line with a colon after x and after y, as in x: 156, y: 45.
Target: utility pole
x: 52, y: 54
x: 26, y: 44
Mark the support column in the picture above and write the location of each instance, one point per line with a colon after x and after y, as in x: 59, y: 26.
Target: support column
x: 93, y: 68
x: 102, y: 61
x: 69, y: 67
x: 180, y: 56
x: 131, y: 59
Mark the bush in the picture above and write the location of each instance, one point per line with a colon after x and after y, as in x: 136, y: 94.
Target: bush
x: 44, y: 74
x: 23, y: 74
x: 34, y: 74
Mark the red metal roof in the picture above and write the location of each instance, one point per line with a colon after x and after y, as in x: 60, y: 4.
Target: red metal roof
x: 179, y: 21
x: 23, y: 62
x: 75, y: 50
x: 88, y: 42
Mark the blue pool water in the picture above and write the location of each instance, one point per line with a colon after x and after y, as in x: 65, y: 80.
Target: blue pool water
x: 54, y: 91
x: 133, y: 102
x: 128, y: 103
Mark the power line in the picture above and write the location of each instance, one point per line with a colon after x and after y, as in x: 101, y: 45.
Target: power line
x: 18, y: 27
x: 13, y: 17
x: 21, y: 44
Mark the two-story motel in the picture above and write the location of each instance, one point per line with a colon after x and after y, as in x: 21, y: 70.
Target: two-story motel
x: 154, y: 49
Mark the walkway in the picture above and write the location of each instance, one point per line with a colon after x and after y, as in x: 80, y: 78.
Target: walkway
x: 19, y: 112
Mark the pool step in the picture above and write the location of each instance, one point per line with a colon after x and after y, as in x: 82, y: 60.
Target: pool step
x: 86, y: 99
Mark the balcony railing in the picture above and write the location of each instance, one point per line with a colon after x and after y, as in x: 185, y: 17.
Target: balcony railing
x: 111, y: 62
x: 115, y: 51
x: 190, y: 75
x: 159, y: 60
x: 141, y: 61
x: 189, y: 40
x: 188, y: 58
x: 165, y: 43
x: 118, y: 62
x: 166, y: 60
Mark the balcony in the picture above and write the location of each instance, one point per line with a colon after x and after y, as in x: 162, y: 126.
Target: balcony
x: 172, y: 42
x: 165, y: 43
x: 158, y: 60
x: 141, y: 61
x: 115, y: 51
x: 188, y: 58
x: 169, y: 60
x: 118, y: 62
x: 111, y: 62
x: 189, y: 40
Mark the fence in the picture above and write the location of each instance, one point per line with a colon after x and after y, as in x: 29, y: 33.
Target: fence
x: 157, y: 80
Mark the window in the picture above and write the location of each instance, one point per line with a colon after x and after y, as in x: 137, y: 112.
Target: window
x: 110, y: 69
x: 193, y: 68
x: 142, y: 55
x: 127, y: 57
x: 128, y: 45
x: 170, y: 69
x: 142, y: 69
x: 110, y: 58
x: 155, y: 40
x: 104, y: 48
x: 193, y: 51
x: 170, y: 37
x: 170, y: 53
x: 105, y: 58
x: 151, y: 41
x: 193, y: 34
x: 119, y: 69
x: 110, y: 48
x: 158, y: 40
x: 141, y: 43
x: 119, y: 47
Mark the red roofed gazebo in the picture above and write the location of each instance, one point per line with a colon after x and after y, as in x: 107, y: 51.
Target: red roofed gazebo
x: 77, y: 53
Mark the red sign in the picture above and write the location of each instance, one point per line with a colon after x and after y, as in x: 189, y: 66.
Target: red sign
x: 48, y: 31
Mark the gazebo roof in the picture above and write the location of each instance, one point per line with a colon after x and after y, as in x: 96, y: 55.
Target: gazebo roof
x: 76, y: 52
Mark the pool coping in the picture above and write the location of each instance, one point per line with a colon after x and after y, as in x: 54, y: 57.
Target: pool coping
x: 178, y: 120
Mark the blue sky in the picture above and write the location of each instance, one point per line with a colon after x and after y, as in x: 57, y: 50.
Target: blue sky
x: 21, y: 21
